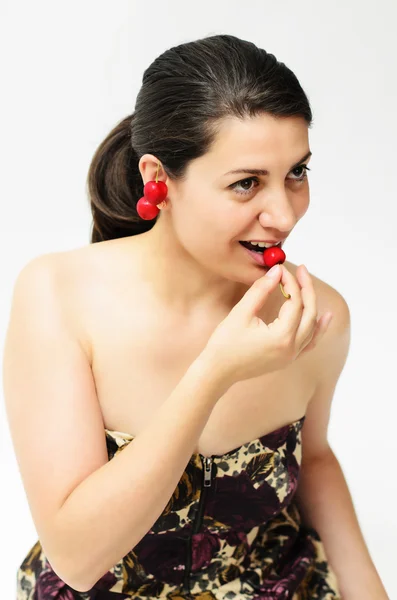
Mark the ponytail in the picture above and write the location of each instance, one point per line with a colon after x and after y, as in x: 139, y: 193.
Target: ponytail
x: 115, y: 186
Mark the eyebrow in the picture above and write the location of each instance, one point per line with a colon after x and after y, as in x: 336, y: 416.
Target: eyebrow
x: 264, y: 171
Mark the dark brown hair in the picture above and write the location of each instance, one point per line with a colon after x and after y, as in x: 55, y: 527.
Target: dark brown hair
x: 185, y: 94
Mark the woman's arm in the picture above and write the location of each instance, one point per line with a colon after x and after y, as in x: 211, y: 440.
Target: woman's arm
x: 89, y: 512
x: 322, y: 495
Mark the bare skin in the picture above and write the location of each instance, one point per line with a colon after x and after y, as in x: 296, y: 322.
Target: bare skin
x: 139, y: 349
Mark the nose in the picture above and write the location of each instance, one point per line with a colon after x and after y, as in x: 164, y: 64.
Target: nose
x: 277, y: 211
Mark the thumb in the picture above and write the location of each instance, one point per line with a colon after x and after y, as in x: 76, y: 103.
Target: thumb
x: 256, y: 296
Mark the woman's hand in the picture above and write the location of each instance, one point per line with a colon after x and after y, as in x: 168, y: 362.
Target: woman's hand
x: 243, y: 346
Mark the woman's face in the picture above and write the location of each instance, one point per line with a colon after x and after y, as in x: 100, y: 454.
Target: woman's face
x: 213, y: 209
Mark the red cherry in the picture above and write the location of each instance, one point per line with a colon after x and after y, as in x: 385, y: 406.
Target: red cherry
x: 273, y: 256
x: 155, y: 192
x: 146, y: 210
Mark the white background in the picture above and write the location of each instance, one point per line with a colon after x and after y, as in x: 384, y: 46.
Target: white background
x: 72, y: 70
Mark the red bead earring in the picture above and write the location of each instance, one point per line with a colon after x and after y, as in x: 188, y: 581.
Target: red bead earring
x: 154, y: 194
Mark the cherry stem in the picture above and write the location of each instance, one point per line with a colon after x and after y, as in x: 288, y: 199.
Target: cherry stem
x: 162, y: 204
x: 283, y: 291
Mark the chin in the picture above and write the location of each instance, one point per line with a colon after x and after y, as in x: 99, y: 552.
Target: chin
x: 247, y: 276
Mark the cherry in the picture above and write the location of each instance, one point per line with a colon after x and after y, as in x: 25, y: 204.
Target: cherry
x: 274, y: 256
x: 155, y: 191
x: 146, y: 210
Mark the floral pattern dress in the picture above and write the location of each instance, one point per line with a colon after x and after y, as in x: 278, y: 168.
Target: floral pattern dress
x: 230, y: 531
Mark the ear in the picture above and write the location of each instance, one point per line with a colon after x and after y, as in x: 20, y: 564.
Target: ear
x: 148, y: 166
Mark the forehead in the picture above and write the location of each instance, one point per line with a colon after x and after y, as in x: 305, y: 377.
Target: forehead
x: 262, y: 140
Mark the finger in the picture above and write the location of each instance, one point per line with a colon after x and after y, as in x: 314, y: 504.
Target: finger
x: 310, y: 340
x: 290, y: 313
x: 322, y: 326
x: 255, y: 297
x: 308, y: 321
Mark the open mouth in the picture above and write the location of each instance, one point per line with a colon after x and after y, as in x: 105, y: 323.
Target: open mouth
x: 256, y: 248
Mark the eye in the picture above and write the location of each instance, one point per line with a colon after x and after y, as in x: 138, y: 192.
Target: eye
x: 242, y: 182
x: 243, y: 186
x: 304, y: 175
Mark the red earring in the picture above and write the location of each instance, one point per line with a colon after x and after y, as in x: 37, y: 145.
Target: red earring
x: 154, y: 194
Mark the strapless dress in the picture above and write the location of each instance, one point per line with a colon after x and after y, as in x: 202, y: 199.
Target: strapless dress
x: 230, y: 531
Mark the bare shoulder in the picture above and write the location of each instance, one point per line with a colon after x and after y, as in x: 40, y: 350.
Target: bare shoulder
x: 67, y: 275
x: 88, y: 281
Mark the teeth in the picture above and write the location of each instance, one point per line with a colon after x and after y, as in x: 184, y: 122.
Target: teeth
x: 263, y: 244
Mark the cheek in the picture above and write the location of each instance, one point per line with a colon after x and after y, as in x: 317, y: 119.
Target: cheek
x: 209, y: 221
x: 198, y: 223
x: 213, y: 218
x: 302, y: 206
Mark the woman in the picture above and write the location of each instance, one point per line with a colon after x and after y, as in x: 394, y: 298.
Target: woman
x: 169, y: 332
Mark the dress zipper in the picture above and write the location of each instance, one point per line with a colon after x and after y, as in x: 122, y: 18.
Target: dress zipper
x: 207, y: 470
x: 207, y: 479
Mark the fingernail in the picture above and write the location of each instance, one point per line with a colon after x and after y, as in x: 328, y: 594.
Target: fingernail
x: 274, y: 271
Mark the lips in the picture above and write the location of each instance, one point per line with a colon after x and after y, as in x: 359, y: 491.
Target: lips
x: 257, y: 256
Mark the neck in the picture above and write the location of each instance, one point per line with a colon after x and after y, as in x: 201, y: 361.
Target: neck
x: 179, y: 281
